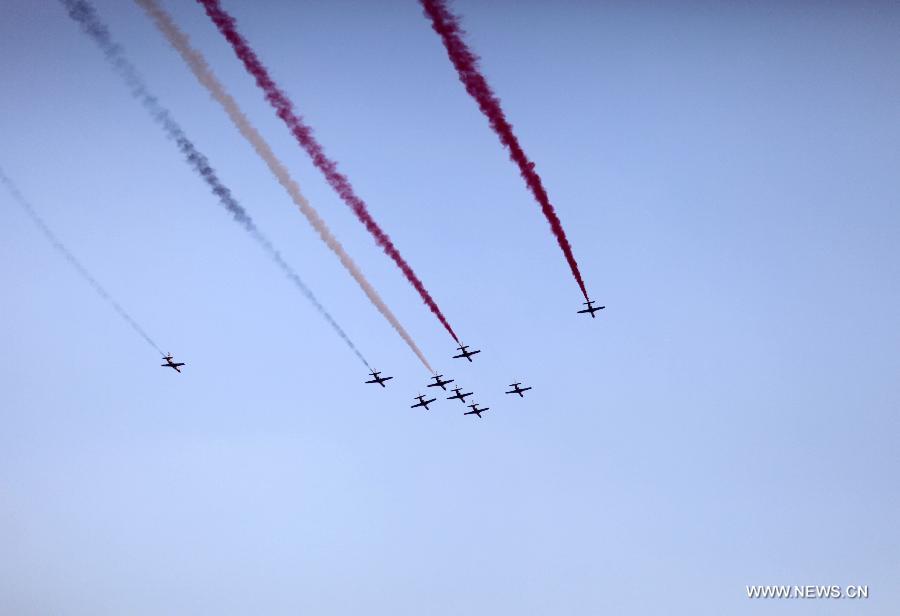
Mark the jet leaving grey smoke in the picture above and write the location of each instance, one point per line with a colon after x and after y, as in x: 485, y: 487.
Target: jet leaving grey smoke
x: 84, y: 14
x: 75, y: 263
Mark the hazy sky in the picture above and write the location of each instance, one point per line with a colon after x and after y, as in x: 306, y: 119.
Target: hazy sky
x: 728, y: 176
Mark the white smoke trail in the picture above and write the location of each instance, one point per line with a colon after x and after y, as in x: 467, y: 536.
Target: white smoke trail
x: 75, y: 263
x: 202, y: 72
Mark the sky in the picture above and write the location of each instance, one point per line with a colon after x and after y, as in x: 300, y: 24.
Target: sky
x: 727, y: 176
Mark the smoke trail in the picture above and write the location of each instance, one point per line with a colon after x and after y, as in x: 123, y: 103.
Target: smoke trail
x: 304, y: 136
x: 447, y: 26
x: 39, y: 222
x: 198, y: 66
x: 85, y: 15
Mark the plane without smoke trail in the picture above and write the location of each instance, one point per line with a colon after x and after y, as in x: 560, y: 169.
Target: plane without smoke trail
x: 338, y: 181
x: 200, y: 68
x: 75, y: 263
x: 85, y: 15
x: 466, y: 63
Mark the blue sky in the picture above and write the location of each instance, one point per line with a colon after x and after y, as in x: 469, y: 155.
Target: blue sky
x: 726, y: 173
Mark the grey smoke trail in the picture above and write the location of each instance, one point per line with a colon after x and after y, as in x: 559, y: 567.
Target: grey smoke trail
x: 202, y: 72
x: 84, y: 14
x: 75, y: 263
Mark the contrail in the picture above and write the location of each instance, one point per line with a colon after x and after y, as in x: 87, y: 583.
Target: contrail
x: 75, y: 263
x: 84, y: 14
x: 339, y: 182
x: 466, y: 62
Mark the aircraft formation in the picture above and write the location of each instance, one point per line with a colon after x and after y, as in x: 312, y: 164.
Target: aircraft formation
x: 439, y: 381
x: 421, y: 401
x: 458, y: 394
x: 446, y: 25
x: 464, y: 60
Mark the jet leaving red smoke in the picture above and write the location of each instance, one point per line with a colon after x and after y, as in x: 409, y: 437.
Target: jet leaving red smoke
x: 285, y: 110
x: 447, y: 26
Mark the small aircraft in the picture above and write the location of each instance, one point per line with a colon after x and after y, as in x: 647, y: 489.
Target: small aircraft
x: 591, y: 309
x: 379, y: 379
x: 459, y: 395
x: 518, y: 390
x: 477, y: 411
x: 176, y: 366
x: 439, y: 383
x: 465, y: 352
x: 422, y: 402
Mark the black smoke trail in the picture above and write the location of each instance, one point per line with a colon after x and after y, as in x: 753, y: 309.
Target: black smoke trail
x: 75, y: 263
x: 86, y: 16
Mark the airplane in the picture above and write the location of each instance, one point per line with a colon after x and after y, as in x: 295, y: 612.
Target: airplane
x: 379, y: 379
x: 439, y: 383
x: 176, y: 366
x: 591, y: 309
x: 422, y: 402
x: 518, y: 390
x: 465, y: 352
x: 477, y: 411
x: 459, y: 395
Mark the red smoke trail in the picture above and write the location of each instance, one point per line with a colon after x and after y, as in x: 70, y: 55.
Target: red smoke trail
x: 339, y: 182
x: 447, y: 26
